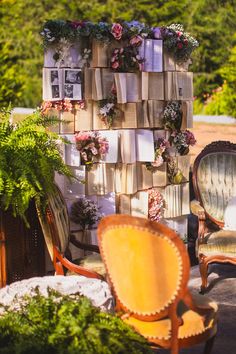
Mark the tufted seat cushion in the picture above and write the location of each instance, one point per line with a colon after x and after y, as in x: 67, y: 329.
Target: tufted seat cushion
x: 221, y: 242
x: 92, y: 262
x: 193, y: 323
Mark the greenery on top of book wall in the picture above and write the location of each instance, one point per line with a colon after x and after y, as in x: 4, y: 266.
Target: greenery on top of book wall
x: 211, y: 22
x: 29, y: 157
x: 65, y: 325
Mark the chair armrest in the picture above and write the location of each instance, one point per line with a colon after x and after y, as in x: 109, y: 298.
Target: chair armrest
x: 196, y: 208
x: 60, y: 261
x: 83, y: 246
x: 199, y: 211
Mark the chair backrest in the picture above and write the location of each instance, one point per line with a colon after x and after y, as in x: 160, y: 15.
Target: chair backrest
x: 55, y: 224
x: 214, y: 178
x: 146, y: 262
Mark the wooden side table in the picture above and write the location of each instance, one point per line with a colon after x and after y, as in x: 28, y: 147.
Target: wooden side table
x: 22, y: 249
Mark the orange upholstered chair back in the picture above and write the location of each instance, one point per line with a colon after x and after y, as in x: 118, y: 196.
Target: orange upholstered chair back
x: 146, y: 262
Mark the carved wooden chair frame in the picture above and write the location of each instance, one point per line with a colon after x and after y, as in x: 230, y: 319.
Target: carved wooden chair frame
x: 206, y: 221
x: 183, y: 294
x: 63, y: 261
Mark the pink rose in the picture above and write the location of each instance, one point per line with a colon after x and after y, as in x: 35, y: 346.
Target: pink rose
x: 180, y: 45
x: 116, y: 31
x: 185, y: 41
x: 179, y: 34
x: 136, y: 41
x: 115, y: 65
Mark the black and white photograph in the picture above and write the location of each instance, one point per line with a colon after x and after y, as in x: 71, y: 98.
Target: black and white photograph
x: 55, y: 91
x: 54, y: 77
x: 68, y: 89
x: 73, y: 76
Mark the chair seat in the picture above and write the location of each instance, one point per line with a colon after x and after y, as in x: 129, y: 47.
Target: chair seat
x: 92, y: 262
x: 193, y: 323
x: 221, y: 242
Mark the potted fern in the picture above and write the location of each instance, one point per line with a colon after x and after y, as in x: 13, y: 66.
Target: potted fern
x: 29, y: 157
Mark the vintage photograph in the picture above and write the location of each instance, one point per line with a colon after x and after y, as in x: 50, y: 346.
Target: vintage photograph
x: 55, y: 91
x: 73, y: 76
x: 68, y: 89
x: 54, y: 77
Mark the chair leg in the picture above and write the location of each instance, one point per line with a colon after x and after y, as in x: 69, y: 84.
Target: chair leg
x: 209, y: 345
x: 203, y: 266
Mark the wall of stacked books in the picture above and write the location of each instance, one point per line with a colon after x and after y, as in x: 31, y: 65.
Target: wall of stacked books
x: 124, y: 93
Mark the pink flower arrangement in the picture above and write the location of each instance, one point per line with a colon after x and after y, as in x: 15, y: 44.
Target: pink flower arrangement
x: 116, y: 31
x: 182, y: 140
x: 190, y: 138
x: 156, y: 205
x: 64, y: 105
x: 126, y: 59
x: 92, y: 147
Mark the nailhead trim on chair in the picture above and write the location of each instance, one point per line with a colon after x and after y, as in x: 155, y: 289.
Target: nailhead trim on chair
x: 178, y: 256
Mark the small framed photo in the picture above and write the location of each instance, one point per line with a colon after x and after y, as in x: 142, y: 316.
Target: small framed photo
x: 54, y: 77
x: 69, y: 91
x: 72, y: 76
x: 55, y: 91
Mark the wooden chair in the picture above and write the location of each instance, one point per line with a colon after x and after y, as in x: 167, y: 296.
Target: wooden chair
x: 214, y: 182
x: 56, y: 229
x: 148, y: 268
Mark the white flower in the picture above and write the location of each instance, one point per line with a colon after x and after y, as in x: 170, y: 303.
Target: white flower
x: 106, y: 109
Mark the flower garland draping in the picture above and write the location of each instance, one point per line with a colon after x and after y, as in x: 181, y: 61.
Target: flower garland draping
x: 65, y: 105
x: 156, y: 205
x: 177, y: 42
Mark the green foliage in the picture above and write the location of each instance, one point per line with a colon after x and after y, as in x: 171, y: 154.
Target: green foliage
x: 61, y: 325
x: 223, y: 99
x: 29, y: 157
x: 198, y: 106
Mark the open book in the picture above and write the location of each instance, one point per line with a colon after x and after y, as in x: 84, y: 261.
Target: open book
x: 128, y: 87
x: 62, y: 83
x: 70, y: 56
x: 151, y: 50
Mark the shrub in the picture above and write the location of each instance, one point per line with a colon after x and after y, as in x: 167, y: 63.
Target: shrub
x: 64, y: 325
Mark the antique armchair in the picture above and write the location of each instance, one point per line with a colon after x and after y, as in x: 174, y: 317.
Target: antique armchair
x: 214, y: 182
x: 148, y: 267
x: 56, y: 229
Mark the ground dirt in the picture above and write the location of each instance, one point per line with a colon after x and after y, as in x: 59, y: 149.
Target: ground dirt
x: 205, y: 133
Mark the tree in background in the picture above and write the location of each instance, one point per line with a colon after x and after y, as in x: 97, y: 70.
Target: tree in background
x: 223, y: 99
x: 212, y: 22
